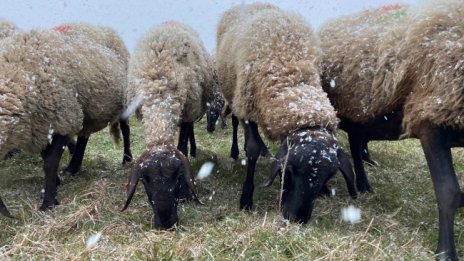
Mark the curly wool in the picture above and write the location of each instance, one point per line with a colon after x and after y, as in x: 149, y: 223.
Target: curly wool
x: 171, y: 70
x: 358, y: 57
x: 274, y: 81
x: 415, y: 62
x: 237, y: 13
x: 7, y: 28
x: 49, y: 85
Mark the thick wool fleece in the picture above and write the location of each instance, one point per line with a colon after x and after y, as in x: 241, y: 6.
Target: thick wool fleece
x: 237, y: 13
x: 358, y: 60
x: 7, y: 28
x: 268, y: 72
x: 49, y: 84
x: 171, y: 70
x: 102, y: 35
x: 415, y: 62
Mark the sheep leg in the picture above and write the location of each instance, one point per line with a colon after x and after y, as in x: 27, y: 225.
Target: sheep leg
x: 253, y: 150
x: 76, y: 161
x: 366, y: 156
x: 193, y: 144
x: 125, y: 129
x: 51, y: 156
x: 356, y: 152
x: 234, y: 151
x: 439, y: 159
x: 71, y: 146
x: 223, y: 122
x: 183, y: 138
x: 264, y: 149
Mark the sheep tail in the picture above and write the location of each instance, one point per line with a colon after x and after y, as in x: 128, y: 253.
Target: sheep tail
x: 115, y: 132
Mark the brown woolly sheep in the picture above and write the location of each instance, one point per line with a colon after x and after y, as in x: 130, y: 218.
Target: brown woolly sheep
x: 407, y: 72
x: 107, y: 37
x: 170, y: 71
x: 51, y: 89
x: 267, y: 68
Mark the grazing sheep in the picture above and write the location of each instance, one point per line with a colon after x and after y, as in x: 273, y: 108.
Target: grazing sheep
x: 171, y: 72
x: 410, y: 69
x: 52, y: 88
x: 107, y: 37
x: 228, y: 20
x: 267, y: 68
x: 213, y: 113
x: 363, y: 36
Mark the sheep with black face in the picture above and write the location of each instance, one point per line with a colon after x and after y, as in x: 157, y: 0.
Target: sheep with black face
x: 170, y: 75
x: 268, y: 72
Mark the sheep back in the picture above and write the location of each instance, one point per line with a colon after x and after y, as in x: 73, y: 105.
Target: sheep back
x: 171, y: 70
x: 433, y: 50
x: 7, y: 28
x: 358, y: 60
x: 236, y: 14
x: 57, y: 86
x: 268, y: 72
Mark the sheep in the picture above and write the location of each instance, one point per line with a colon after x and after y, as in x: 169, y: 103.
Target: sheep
x: 230, y: 18
x: 170, y: 73
x: 214, y: 111
x: 406, y: 69
x: 51, y: 89
x: 267, y: 70
x: 107, y: 37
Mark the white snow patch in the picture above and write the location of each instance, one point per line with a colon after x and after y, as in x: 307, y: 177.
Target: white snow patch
x: 334, y: 192
x: 332, y: 83
x: 243, y: 162
x: 205, y: 170
x: 351, y: 214
x: 93, y: 239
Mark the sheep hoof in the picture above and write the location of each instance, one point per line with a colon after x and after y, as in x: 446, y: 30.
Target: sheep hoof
x: 126, y: 159
x: 245, y: 204
x: 71, y: 171
x: 372, y: 162
x: 365, y: 188
x: 47, y: 205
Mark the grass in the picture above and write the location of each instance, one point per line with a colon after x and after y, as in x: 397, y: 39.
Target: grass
x: 399, y: 220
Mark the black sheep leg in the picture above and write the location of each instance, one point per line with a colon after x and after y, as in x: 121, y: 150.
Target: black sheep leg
x: 234, y: 151
x: 193, y: 144
x: 183, y: 138
x: 76, y: 161
x: 366, y: 156
x: 439, y: 159
x: 347, y: 172
x: 253, y: 150
x: 51, y: 156
x: 125, y: 129
x: 356, y: 152
x: 4, y: 209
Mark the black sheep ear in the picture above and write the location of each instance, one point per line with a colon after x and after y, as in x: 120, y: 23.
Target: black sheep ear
x: 347, y: 171
x: 133, y: 181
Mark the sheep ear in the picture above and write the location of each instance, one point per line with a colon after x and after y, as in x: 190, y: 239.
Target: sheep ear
x: 133, y: 181
x: 4, y: 210
x: 347, y: 171
x: 187, y: 173
x: 277, y: 164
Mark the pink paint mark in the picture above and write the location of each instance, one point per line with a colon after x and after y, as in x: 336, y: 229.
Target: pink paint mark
x: 62, y: 28
x: 393, y: 7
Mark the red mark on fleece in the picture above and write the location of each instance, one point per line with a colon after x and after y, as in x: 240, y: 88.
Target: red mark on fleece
x: 391, y: 7
x: 62, y: 28
x: 170, y: 23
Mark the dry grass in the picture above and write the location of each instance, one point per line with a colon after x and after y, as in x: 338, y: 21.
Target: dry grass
x: 399, y: 220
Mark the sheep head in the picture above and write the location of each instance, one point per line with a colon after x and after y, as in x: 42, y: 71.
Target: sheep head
x: 310, y: 159
x: 166, y: 174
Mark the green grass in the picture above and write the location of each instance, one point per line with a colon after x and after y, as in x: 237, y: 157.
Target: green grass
x: 399, y: 220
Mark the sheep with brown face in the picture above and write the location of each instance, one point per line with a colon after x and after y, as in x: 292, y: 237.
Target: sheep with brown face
x: 170, y: 73
x: 268, y: 72
x: 405, y: 69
